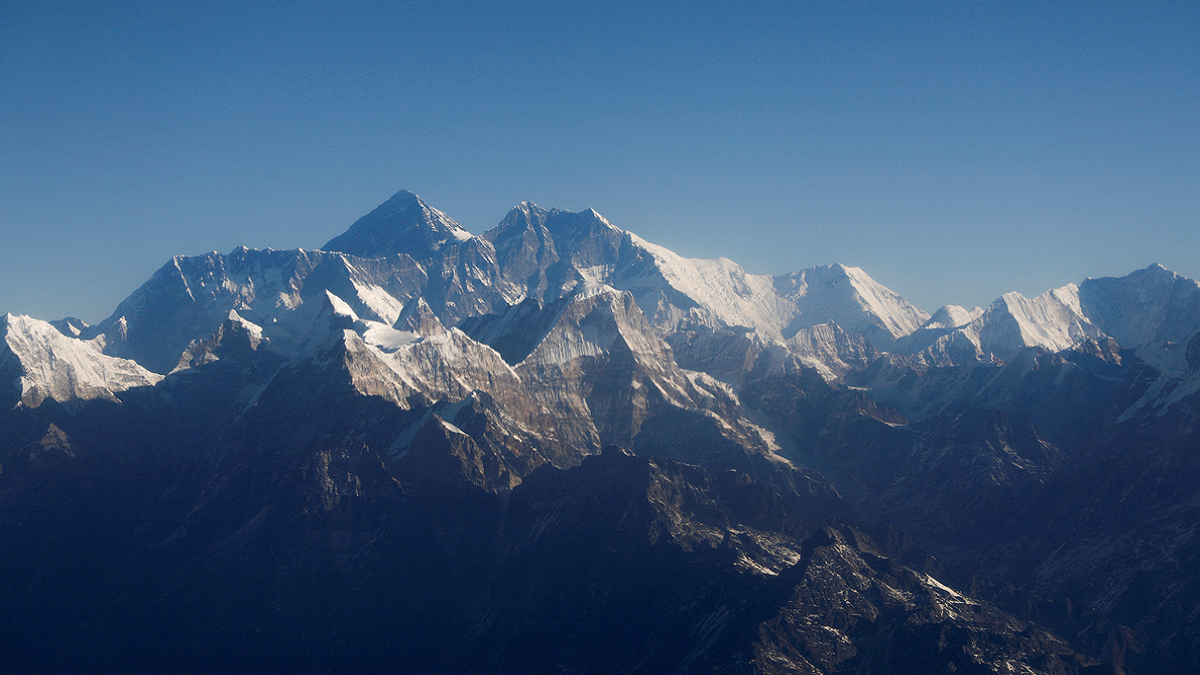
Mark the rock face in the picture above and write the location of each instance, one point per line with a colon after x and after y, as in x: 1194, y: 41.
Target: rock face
x: 702, y: 573
x: 402, y: 225
x: 559, y: 447
x: 40, y: 363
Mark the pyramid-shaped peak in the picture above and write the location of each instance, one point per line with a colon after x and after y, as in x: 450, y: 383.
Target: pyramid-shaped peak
x: 400, y: 201
x: 596, y: 215
x: 852, y: 299
x: 418, y: 317
x: 402, y: 224
x: 952, y: 316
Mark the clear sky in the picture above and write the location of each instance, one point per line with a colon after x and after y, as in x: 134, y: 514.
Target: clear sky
x: 953, y: 150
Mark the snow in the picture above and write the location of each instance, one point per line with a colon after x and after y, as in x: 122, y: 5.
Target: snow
x: 567, y: 342
x: 930, y: 581
x: 826, y: 348
x: 340, y: 306
x: 594, y: 214
x: 264, y: 287
x: 310, y: 329
x: 252, y: 328
x: 850, y: 298
x: 723, y: 288
x: 63, y: 368
x: 1053, y: 321
x: 1152, y: 310
x: 450, y: 427
x: 1152, y: 305
x: 952, y: 316
x: 402, y: 224
x: 817, y: 314
x: 899, y: 317
x: 382, y: 304
x: 387, y: 338
x: 595, y: 274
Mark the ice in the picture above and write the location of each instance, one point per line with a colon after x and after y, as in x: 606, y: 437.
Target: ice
x: 55, y: 366
x: 387, y: 338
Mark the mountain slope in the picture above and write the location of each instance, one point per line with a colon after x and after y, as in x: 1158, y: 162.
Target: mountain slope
x: 403, y: 224
x: 1152, y: 310
x: 550, y: 252
x: 853, y: 300
x: 41, y: 363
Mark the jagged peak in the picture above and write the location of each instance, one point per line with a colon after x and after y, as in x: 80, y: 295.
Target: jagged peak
x: 55, y: 366
x: 1151, y: 305
x: 528, y: 207
x: 1067, y: 295
x: 419, y: 318
x: 530, y: 210
x: 835, y: 272
x: 851, y: 297
x: 1155, y: 269
x: 235, y: 335
x: 71, y: 326
x: 578, y: 222
x: 313, y: 326
x: 520, y: 221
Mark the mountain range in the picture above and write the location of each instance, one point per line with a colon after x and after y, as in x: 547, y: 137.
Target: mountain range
x: 557, y: 447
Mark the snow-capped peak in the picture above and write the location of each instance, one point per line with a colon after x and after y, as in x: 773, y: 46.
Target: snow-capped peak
x: 417, y: 317
x: 1151, y: 305
x: 1053, y: 320
x: 402, y: 224
x: 952, y: 316
x: 852, y: 299
x: 50, y: 365
x: 603, y: 221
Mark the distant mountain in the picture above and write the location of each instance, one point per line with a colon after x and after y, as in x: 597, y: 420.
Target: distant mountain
x: 40, y: 363
x: 403, y: 224
x: 557, y: 446
x: 1146, y: 310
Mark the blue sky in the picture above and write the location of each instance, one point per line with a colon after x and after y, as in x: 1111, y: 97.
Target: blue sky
x: 954, y: 150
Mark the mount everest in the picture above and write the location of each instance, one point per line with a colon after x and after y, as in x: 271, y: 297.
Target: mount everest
x: 261, y: 434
